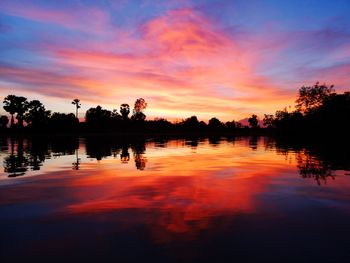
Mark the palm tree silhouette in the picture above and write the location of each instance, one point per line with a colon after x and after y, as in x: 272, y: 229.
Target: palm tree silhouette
x: 77, y: 104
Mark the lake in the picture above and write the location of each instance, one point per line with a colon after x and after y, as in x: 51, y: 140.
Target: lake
x: 174, y: 200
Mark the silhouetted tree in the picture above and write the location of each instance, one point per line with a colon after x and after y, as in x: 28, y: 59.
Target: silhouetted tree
x: 62, y: 121
x: 281, y: 118
x: 333, y: 114
x: 116, y: 120
x: 310, y: 98
x: 37, y: 115
x: 124, y: 111
x: 288, y: 120
x: 191, y: 124
x: 215, y: 124
x: 318, y: 107
x: 239, y: 125
x: 16, y: 104
x: 253, y: 121
x: 230, y: 125
x: 77, y: 104
x: 10, y: 107
x: 98, y: 117
x: 160, y: 124
x: 115, y: 115
x: 268, y: 120
x: 139, y: 107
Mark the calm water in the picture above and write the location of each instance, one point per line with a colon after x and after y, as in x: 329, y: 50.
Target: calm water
x: 185, y: 200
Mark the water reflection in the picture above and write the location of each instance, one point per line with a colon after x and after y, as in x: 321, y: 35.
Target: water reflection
x: 317, y: 160
x: 16, y: 164
x: 313, y: 167
x: 138, y: 150
x: 21, y: 155
x: 76, y: 164
x: 120, y: 198
x: 253, y: 142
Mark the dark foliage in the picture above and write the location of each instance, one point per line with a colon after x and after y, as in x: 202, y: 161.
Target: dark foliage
x: 215, y: 124
x: 318, y: 110
x: 253, y: 121
x: 63, y: 122
x: 98, y: 118
x: 16, y: 105
x: 124, y: 111
x: 139, y: 107
x: 37, y: 116
x: 4, y: 120
x: 312, y: 97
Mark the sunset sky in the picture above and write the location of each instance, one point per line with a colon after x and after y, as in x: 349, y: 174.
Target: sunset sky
x: 227, y: 59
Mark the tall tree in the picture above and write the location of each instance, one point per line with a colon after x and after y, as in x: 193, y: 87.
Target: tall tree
x: 77, y: 104
x: 139, y: 107
x: 16, y: 104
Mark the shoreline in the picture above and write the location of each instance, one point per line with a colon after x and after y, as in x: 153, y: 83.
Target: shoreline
x: 146, y: 134
x: 309, y: 135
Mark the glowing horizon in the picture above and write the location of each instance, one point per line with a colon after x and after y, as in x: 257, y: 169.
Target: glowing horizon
x: 227, y: 59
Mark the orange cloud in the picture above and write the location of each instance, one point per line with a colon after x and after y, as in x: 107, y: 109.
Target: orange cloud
x: 181, y: 62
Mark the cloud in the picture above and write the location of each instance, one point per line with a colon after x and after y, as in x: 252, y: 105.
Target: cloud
x: 89, y: 20
x: 183, y: 61
x: 178, y: 54
x: 47, y: 82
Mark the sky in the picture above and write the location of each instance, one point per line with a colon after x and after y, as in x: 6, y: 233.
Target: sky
x: 227, y: 59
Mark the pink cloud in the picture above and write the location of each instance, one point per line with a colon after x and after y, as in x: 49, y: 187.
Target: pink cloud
x: 181, y: 61
x: 88, y: 20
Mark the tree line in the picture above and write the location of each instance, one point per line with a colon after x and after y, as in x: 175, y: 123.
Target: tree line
x: 318, y: 107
